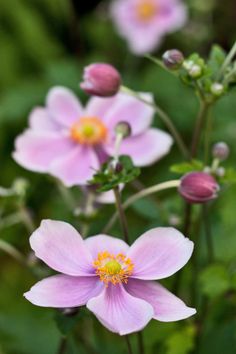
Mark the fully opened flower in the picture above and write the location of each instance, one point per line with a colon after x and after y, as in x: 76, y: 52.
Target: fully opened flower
x: 70, y: 142
x: 114, y: 281
x: 144, y: 22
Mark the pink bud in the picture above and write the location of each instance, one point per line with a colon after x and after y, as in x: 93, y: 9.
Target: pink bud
x: 198, y: 187
x: 101, y: 80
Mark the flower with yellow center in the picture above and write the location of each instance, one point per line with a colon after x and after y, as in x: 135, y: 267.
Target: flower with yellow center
x: 89, y: 131
x: 113, y: 269
x: 146, y: 9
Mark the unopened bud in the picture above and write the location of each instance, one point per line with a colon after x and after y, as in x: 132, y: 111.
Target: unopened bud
x: 195, y: 71
x: 115, y: 166
x: 173, y: 59
x: 220, y: 151
x: 69, y: 311
x: 123, y: 128
x: 217, y: 89
x: 220, y: 172
x: 101, y: 80
x: 198, y: 187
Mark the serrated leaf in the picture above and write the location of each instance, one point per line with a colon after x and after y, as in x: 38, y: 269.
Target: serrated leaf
x: 185, y: 167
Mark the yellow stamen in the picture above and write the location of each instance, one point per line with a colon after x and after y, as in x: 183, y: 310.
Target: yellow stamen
x: 89, y: 131
x: 146, y: 9
x: 113, y: 269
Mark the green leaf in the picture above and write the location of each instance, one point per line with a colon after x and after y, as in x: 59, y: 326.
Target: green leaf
x: 185, y: 167
x: 110, y: 177
x: 230, y: 176
x: 215, y: 280
x: 66, y: 323
x: 181, y: 341
x: 146, y: 208
x: 216, y: 58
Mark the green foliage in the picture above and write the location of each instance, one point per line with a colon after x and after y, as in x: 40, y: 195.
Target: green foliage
x: 216, y: 59
x: 186, y: 167
x: 111, y: 176
x: 215, y: 280
x: 181, y: 341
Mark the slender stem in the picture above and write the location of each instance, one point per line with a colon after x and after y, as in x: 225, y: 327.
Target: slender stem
x: 144, y: 193
x: 128, y: 345
x: 165, y: 119
x: 160, y: 64
x: 208, y: 234
x: 208, y: 132
x: 140, y: 343
x: 12, y: 251
x: 228, y: 59
x: 62, y: 346
x: 204, y: 107
x: 27, y: 218
x: 120, y: 210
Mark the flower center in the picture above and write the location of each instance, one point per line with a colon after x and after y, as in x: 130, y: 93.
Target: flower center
x: 113, y: 269
x: 146, y: 9
x: 89, y: 131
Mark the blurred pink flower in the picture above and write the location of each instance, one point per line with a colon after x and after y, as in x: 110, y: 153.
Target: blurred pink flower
x: 70, y: 142
x: 113, y: 280
x: 144, y: 22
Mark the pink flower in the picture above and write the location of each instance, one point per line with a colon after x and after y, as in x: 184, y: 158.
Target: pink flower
x: 144, y: 22
x: 113, y: 280
x: 70, y: 142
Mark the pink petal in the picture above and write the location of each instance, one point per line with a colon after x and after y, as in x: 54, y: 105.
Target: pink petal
x: 167, y: 306
x: 62, y: 248
x: 145, y: 148
x: 36, y: 151
x: 40, y: 120
x: 77, y: 167
x: 98, y: 106
x: 159, y: 253
x: 64, y: 291
x: 126, y: 108
x: 63, y: 106
x: 101, y: 243
x: 119, y: 311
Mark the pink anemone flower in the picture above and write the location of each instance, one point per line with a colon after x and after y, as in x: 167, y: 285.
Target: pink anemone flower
x: 144, y: 22
x: 115, y: 281
x: 70, y: 142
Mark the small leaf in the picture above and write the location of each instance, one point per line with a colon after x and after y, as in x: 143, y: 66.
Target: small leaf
x: 185, y: 167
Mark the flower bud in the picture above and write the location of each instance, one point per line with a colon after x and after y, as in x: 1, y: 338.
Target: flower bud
x: 69, y: 311
x: 220, y: 172
x: 220, y: 151
x: 115, y: 166
x: 101, y: 80
x: 217, y: 89
x: 124, y: 129
x: 173, y: 59
x: 198, y: 187
x: 195, y: 71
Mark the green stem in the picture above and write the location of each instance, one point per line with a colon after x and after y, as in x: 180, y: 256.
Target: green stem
x: 208, y: 234
x: 127, y: 340
x: 204, y: 107
x: 144, y: 193
x: 62, y: 346
x: 121, y: 214
x: 160, y: 64
x: 228, y: 60
x: 165, y: 119
x: 27, y: 218
x: 13, y: 252
x: 140, y: 343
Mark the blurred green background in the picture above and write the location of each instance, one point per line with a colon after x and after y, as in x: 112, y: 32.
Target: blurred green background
x: 48, y: 42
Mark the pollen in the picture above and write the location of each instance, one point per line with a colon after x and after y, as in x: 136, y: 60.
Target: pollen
x: 146, y: 9
x: 113, y: 269
x: 89, y: 131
